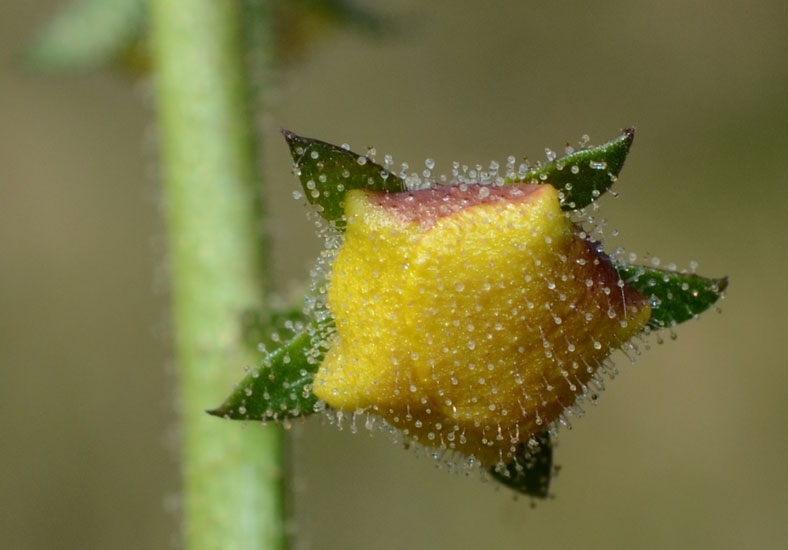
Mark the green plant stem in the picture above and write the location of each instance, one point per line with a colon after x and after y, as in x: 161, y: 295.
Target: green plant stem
x: 232, y: 478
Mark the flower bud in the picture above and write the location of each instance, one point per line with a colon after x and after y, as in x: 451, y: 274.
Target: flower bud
x: 470, y: 316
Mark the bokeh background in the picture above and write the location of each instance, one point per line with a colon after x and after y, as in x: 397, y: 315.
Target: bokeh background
x: 687, y: 448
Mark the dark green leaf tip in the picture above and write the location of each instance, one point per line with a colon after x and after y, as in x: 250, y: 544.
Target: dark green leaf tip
x: 280, y: 387
x: 582, y: 176
x: 675, y: 296
x: 530, y: 471
x: 327, y: 172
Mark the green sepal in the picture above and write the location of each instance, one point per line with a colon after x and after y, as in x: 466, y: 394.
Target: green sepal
x: 327, y: 172
x: 675, y: 297
x: 530, y: 471
x: 88, y: 34
x: 281, y: 386
x: 580, y: 177
x: 584, y: 175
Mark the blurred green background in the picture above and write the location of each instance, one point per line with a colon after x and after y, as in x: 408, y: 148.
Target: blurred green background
x: 687, y: 448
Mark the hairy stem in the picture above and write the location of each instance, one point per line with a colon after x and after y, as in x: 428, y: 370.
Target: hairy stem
x: 232, y: 478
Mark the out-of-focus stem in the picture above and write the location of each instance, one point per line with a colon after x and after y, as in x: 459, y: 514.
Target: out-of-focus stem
x: 232, y: 478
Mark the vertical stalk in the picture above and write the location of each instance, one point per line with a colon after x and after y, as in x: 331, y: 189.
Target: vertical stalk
x: 232, y: 478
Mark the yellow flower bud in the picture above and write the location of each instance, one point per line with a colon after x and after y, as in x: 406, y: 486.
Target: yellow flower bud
x: 470, y: 316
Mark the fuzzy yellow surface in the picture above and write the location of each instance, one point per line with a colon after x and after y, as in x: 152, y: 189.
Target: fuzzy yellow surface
x: 473, y: 328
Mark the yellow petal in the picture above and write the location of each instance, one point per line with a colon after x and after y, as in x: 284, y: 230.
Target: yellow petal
x: 469, y: 317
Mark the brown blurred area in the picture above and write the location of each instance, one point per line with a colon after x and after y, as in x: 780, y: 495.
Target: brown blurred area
x: 687, y: 448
